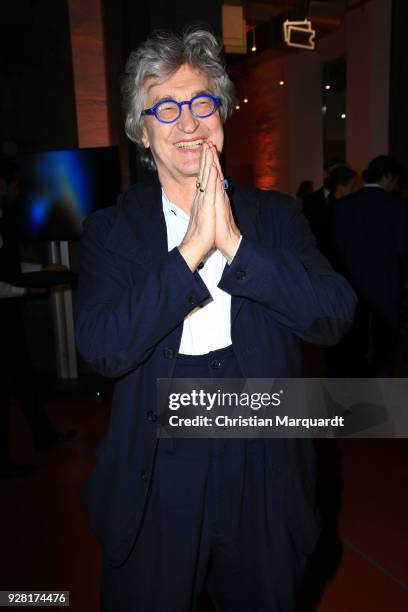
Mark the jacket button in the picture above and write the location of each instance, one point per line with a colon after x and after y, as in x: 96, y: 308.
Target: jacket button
x: 200, y: 265
x: 151, y: 416
x: 144, y: 477
x: 168, y: 352
x: 193, y: 300
x: 215, y: 364
x: 240, y: 274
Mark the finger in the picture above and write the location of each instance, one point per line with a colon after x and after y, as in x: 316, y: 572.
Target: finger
x: 211, y: 186
x: 220, y: 177
x: 222, y: 200
x: 216, y: 160
x: 220, y: 193
x: 202, y: 163
x: 207, y: 167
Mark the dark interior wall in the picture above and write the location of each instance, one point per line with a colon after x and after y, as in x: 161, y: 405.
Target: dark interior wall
x: 140, y: 17
x: 176, y: 15
x: 114, y: 63
x: 37, y: 102
x: 398, y: 121
x: 135, y: 18
x: 37, y: 112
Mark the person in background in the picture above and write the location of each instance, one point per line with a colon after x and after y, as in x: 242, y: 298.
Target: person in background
x: 316, y: 208
x: 341, y: 182
x: 17, y: 377
x: 370, y: 234
x: 305, y: 188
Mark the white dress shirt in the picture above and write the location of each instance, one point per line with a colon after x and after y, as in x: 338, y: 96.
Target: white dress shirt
x: 206, y: 328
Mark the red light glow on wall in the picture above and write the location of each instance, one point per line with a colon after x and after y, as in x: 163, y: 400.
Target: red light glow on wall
x: 257, y: 150
x: 89, y: 73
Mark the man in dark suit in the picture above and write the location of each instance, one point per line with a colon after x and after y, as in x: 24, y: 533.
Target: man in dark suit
x: 317, y: 209
x: 370, y: 230
x: 182, y: 280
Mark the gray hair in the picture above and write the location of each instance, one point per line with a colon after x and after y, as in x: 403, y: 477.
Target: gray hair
x: 161, y: 56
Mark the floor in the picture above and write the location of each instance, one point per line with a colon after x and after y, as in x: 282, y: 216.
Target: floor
x: 361, y: 566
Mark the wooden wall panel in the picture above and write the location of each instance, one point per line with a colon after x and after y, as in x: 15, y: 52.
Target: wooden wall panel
x: 88, y: 57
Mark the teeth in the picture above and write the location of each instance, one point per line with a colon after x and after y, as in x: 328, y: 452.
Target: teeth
x: 189, y: 145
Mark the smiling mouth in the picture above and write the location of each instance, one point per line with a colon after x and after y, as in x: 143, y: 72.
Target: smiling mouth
x: 192, y: 144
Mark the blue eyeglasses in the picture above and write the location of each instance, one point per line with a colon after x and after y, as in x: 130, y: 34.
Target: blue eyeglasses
x: 168, y: 111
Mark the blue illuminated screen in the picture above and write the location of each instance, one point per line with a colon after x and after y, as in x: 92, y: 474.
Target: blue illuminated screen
x: 59, y: 189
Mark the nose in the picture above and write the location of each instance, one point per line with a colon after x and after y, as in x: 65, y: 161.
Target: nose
x: 187, y: 122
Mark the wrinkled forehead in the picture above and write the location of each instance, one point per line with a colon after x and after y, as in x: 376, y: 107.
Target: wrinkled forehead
x: 181, y: 84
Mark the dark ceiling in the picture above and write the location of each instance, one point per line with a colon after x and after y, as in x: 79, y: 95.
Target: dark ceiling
x: 323, y: 13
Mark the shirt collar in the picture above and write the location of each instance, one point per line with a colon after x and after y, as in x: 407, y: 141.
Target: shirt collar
x: 171, y: 207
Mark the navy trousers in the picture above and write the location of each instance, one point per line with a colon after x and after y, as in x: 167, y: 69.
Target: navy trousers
x: 213, y: 522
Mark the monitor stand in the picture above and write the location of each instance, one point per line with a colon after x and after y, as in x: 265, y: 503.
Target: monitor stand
x: 61, y: 301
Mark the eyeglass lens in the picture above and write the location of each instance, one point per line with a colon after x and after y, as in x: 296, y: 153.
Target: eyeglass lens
x: 202, y: 106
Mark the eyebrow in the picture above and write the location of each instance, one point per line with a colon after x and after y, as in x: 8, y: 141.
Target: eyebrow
x: 173, y: 97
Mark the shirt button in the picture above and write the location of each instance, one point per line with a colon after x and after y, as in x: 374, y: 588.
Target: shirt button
x: 240, y: 274
x: 193, y: 300
x: 151, y: 416
x: 200, y: 265
x: 215, y: 364
x: 168, y: 352
x: 144, y: 477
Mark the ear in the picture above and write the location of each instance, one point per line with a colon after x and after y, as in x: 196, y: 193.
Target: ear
x: 145, y: 138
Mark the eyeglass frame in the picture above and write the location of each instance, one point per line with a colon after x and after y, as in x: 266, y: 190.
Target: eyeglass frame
x: 153, y: 110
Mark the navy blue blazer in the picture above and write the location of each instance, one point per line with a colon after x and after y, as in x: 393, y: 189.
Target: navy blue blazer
x: 370, y: 232
x: 132, y: 298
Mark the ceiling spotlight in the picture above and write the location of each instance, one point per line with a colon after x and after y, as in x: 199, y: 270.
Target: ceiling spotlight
x: 324, y: 109
x: 343, y: 115
x: 327, y: 87
x: 245, y: 100
x: 237, y: 107
x: 281, y: 82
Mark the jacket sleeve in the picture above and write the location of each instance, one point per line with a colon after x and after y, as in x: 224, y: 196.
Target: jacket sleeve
x: 293, y: 280
x: 10, y: 291
x: 118, y: 325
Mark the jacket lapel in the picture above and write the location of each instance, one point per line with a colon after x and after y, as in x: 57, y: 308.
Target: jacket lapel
x: 139, y: 232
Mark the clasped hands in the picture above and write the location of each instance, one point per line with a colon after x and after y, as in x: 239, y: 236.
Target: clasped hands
x: 211, y: 223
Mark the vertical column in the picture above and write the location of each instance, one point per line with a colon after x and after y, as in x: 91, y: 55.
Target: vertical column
x: 398, y: 120
x: 380, y: 82
x: 368, y: 69
x: 306, y: 124
x: 88, y: 58
x: 63, y: 319
x: 359, y: 39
